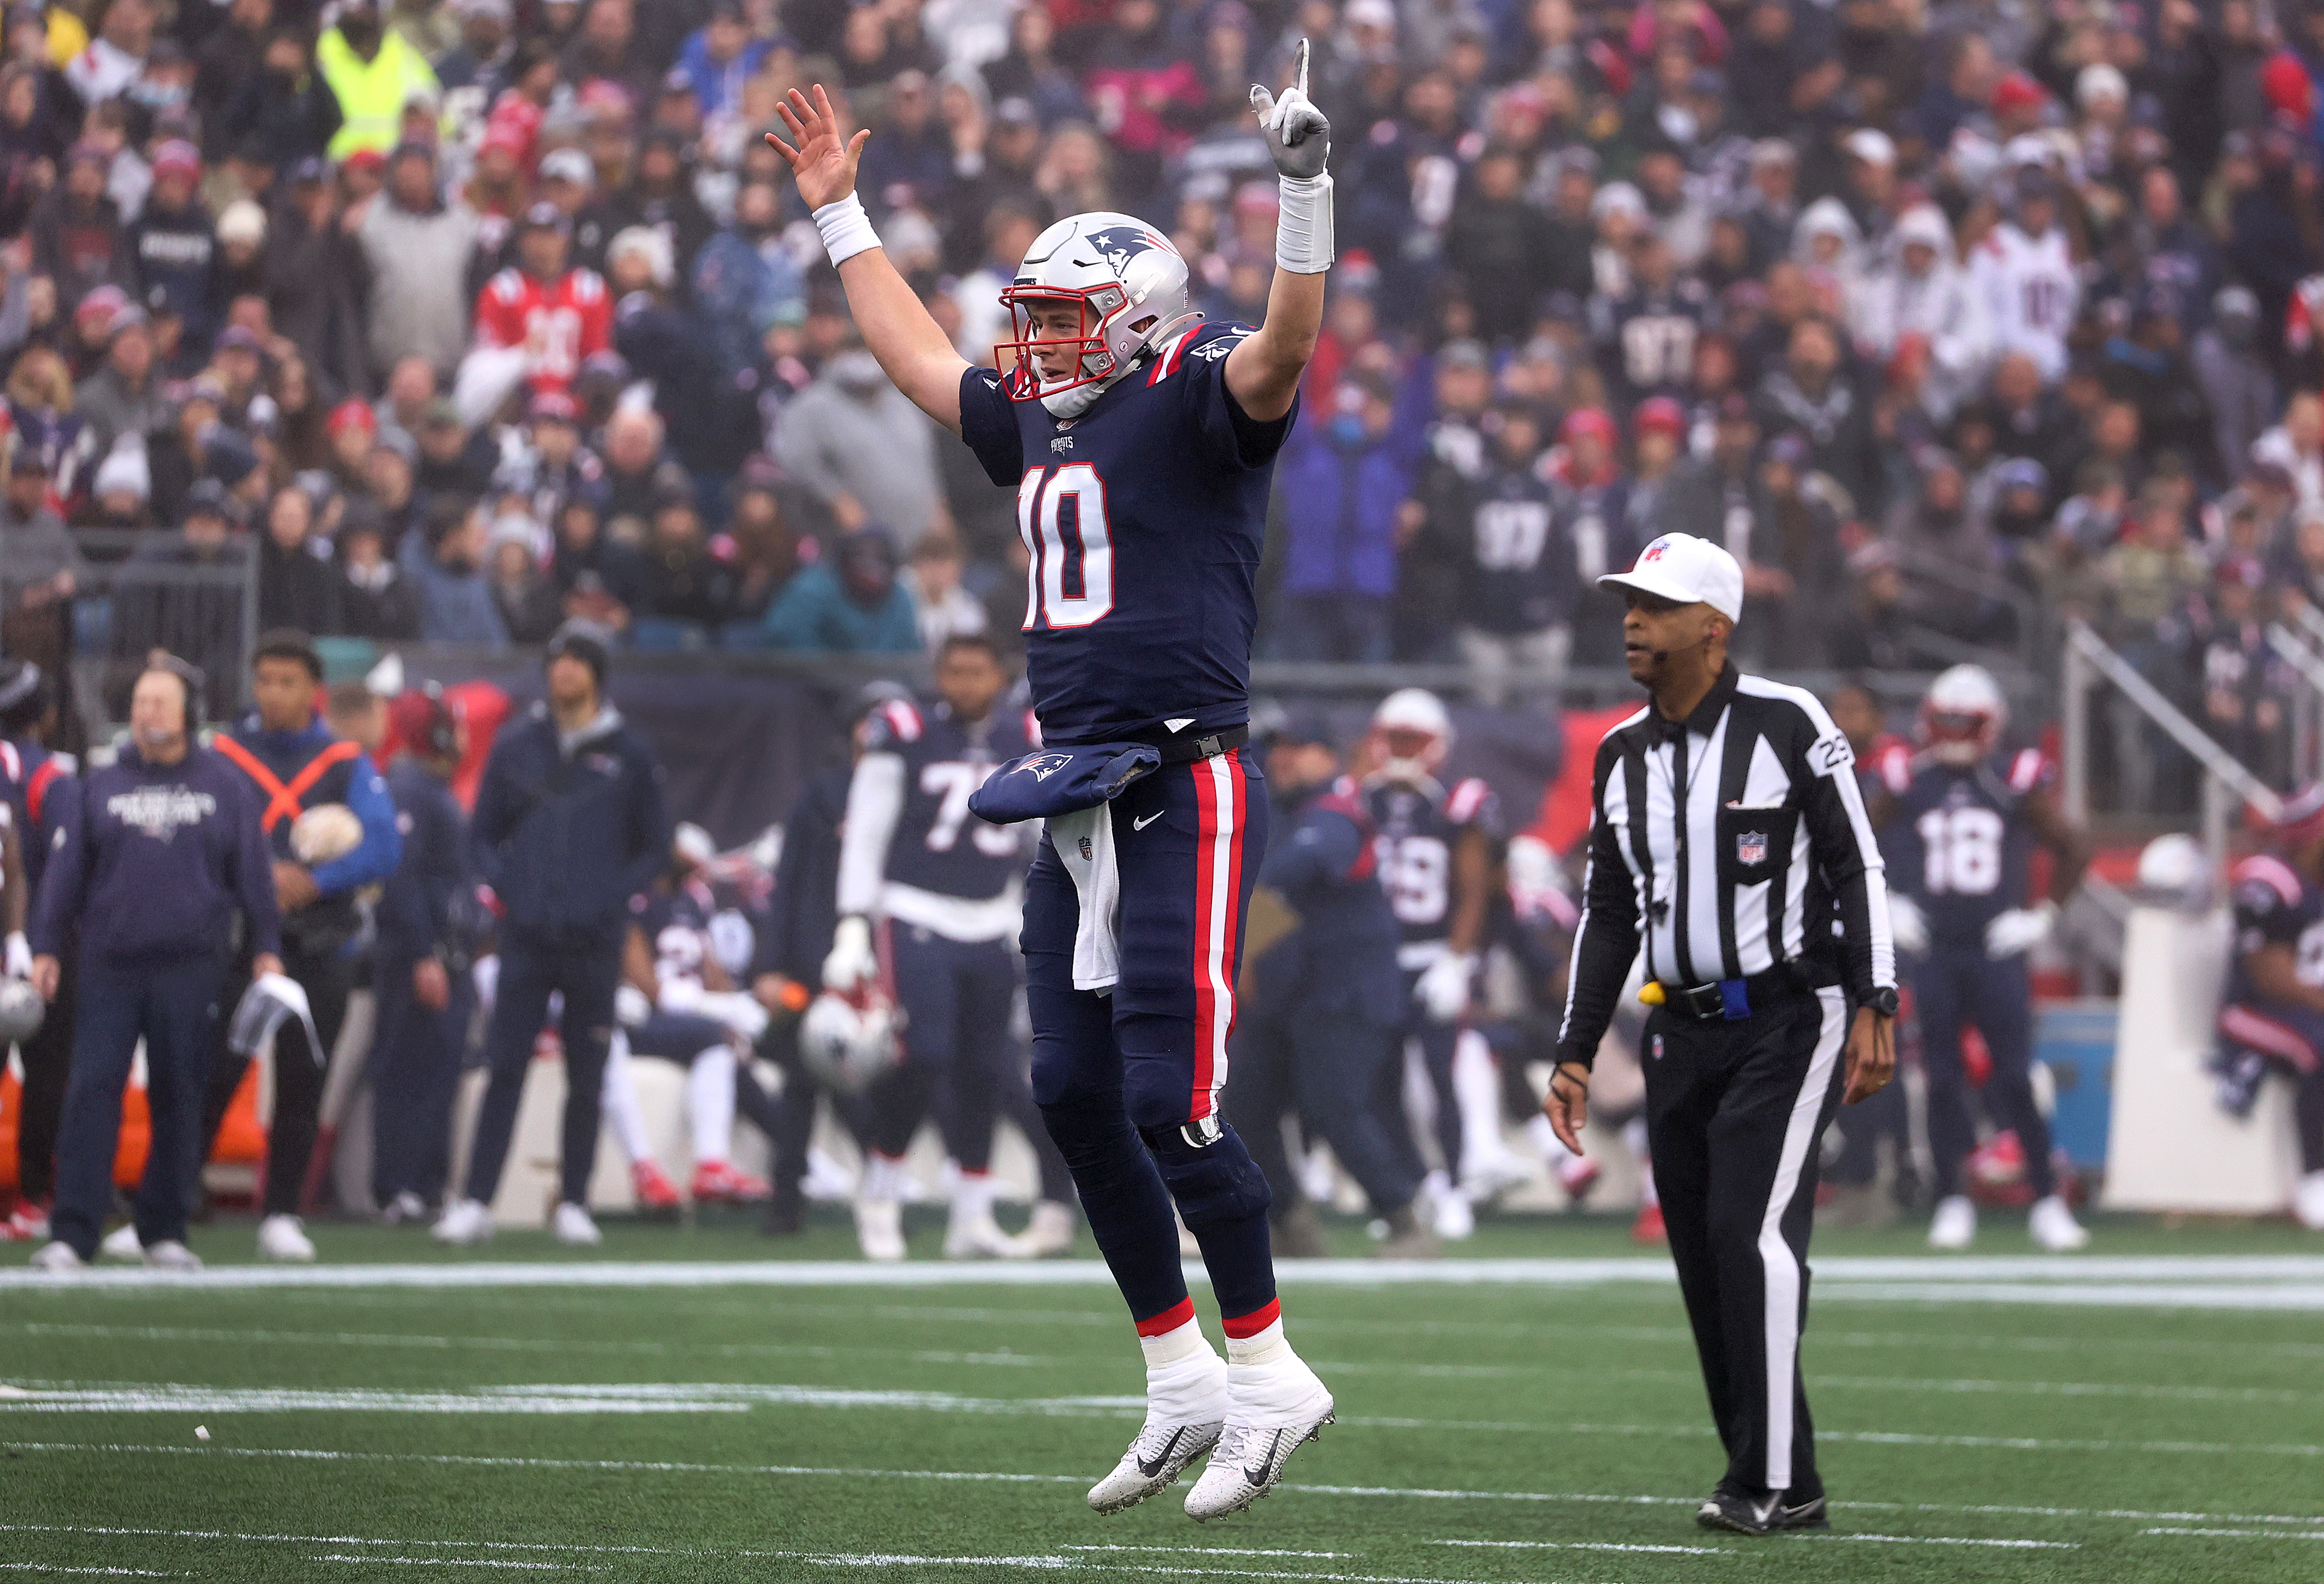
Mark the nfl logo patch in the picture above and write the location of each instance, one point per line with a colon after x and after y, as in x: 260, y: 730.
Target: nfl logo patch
x: 1751, y: 848
x: 1086, y: 855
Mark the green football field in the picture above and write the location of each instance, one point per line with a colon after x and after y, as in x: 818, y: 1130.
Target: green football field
x: 678, y: 1406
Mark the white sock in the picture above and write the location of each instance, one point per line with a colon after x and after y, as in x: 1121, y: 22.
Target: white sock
x: 1185, y: 1381
x: 883, y: 1178
x: 972, y: 1198
x: 1477, y: 1090
x: 710, y: 1103
x: 619, y: 1100
x: 1634, y: 1139
x: 1420, y: 1101
x: 1262, y: 1347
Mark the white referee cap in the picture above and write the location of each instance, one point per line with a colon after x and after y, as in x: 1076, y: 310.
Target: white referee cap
x: 1686, y: 571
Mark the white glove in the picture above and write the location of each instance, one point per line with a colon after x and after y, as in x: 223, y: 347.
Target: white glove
x: 851, y: 962
x: 1444, y: 988
x: 2019, y: 930
x: 737, y: 1010
x: 631, y: 1008
x: 1908, y: 926
x: 19, y: 955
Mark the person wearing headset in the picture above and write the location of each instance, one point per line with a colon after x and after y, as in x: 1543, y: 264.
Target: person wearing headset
x: 154, y: 854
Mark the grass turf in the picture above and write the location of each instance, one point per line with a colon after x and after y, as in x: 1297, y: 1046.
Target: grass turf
x: 1487, y: 1432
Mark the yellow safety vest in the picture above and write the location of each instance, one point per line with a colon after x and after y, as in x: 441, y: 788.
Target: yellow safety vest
x: 372, y: 94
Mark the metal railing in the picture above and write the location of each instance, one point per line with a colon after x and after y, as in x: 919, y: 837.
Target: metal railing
x: 2088, y: 659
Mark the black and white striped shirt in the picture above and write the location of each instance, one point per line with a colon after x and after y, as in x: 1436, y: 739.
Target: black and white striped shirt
x: 1721, y: 845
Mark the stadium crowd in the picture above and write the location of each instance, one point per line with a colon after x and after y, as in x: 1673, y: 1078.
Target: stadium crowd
x: 461, y: 322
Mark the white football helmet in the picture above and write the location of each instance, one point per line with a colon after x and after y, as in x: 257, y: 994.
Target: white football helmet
x: 1130, y: 286
x: 847, y: 1041
x: 1414, y: 734
x: 1963, y: 716
x: 324, y: 832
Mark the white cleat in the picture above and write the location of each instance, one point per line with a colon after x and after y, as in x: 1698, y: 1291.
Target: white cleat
x: 880, y: 1229
x: 1954, y: 1225
x: 573, y: 1227
x: 58, y: 1257
x: 120, y: 1243
x: 1448, y: 1209
x: 406, y: 1208
x: 976, y: 1237
x: 465, y: 1223
x: 1273, y: 1410
x: 168, y: 1253
x: 1494, y: 1173
x: 2308, y: 1202
x: 2056, y: 1230
x: 1050, y: 1232
x: 1155, y: 1458
x: 284, y: 1236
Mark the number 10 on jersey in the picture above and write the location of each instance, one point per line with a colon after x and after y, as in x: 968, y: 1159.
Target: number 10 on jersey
x: 1069, y: 576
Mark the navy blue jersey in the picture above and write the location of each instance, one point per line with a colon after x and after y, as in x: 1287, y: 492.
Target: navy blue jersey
x: 1418, y: 827
x: 1959, y: 843
x: 938, y: 846
x: 677, y: 926
x: 32, y: 782
x: 1646, y: 340
x: 1521, y: 570
x: 1143, y: 518
x: 2274, y: 907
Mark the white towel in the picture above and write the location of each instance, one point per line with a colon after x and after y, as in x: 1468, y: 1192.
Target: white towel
x: 1084, y: 843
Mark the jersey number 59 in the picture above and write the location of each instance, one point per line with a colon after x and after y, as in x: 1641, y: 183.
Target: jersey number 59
x: 1061, y: 518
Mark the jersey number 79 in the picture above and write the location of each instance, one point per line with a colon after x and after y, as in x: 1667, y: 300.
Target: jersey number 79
x: 1061, y: 518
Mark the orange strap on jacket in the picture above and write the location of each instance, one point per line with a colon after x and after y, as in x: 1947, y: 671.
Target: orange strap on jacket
x: 284, y: 797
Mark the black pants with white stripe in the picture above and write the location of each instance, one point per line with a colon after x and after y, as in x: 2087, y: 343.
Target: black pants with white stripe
x: 1735, y: 1113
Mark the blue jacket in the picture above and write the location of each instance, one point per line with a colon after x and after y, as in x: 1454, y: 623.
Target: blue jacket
x: 1342, y: 955
x: 455, y: 607
x: 333, y: 771
x: 415, y: 909
x: 566, y: 833
x: 813, y: 614
x: 1339, y: 514
x: 152, y: 860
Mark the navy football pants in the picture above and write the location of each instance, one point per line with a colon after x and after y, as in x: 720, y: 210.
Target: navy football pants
x: 957, y: 997
x: 1322, y: 1064
x: 415, y: 1073
x: 174, y: 1005
x: 531, y: 972
x: 1956, y: 985
x: 1129, y: 1083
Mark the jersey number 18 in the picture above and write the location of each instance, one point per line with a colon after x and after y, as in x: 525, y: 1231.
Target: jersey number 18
x: 1963, y: 851
x: 1061, y: 518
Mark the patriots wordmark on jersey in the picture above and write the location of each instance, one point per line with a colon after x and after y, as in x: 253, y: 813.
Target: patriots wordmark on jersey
x: 1959, y: 841
x: 1418, y: 827
x: 1142, y: 518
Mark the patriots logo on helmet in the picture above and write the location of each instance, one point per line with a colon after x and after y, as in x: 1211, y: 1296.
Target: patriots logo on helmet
x: 1117, y: 244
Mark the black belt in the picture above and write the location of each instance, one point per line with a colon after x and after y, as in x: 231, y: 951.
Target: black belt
x: 1731, y: 1001
x: 1179, y: 749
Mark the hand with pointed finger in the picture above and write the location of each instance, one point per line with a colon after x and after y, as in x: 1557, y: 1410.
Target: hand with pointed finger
x: 823, y: 162
x: 1296, y: 134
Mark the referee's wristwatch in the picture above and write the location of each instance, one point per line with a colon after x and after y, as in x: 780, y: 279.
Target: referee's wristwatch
x: 1884, y: 1000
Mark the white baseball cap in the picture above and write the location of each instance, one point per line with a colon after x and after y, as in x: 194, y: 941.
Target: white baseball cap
x: 1686, y: 571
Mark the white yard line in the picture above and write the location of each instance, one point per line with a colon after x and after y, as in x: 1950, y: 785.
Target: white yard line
x: 465, y: 1563
x: 1218, y: 1550
x: 2297, y: 1522
x: 2061, y: 1276
x: 2244, y: 1533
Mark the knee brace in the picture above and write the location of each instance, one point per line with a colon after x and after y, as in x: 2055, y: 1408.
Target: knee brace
x: 1209, y: 1172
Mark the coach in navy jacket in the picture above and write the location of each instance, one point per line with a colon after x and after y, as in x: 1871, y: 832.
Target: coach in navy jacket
x: 568, y: 825
x: 155, y: 853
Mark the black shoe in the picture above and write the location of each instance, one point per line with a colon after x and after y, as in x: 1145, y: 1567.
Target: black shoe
x: 1739, y: 1514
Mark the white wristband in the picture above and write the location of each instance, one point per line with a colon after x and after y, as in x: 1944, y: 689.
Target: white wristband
x: 847, y: 229
x: 1302, y: 231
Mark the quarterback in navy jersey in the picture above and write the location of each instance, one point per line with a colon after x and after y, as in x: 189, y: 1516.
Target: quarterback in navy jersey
x: 1959, y: 824
x: 2273, y: 1018
x: 930, y: 899
x: 1139, y: 441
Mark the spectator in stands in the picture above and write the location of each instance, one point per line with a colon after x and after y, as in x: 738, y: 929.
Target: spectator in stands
x: 125, y: 396
x: 945, y: 609
x: 684, y: 581
x: 445, y: 566
x: 76, y: 230
x: 1342, y: 482
x: 1516, y: 597
x: 298, y: 586
x: 157, y: 606
x: 521, y: 591
x: 418, y: 247
x: 850, y: 601
x: 376, y: 600
x: 40, y: 568
x: 862, y: 450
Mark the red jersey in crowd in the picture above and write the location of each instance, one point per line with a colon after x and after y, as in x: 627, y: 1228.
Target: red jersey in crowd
x: 560, y: 322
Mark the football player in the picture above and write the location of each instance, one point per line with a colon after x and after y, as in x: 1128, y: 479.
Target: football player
x: 2273, y: 1015
x: 930, y: 899
x: 1436, y: 864
x: 38, y: 787
x: 1960, y: 821
x: 1140, y: 441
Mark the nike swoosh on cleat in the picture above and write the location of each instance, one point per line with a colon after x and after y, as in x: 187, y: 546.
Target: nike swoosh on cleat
x: 1265, y: 1471
x: 1139, y: 824
x: 1162, y: 1458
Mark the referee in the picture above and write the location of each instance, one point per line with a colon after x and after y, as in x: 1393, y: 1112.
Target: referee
x: 1727, y: 833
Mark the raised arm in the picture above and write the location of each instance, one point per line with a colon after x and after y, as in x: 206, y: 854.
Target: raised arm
x: 895, y: 324
x: 1263, y: 370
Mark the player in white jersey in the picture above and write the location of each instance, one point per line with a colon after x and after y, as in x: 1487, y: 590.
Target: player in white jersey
x: 2024, y: 271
